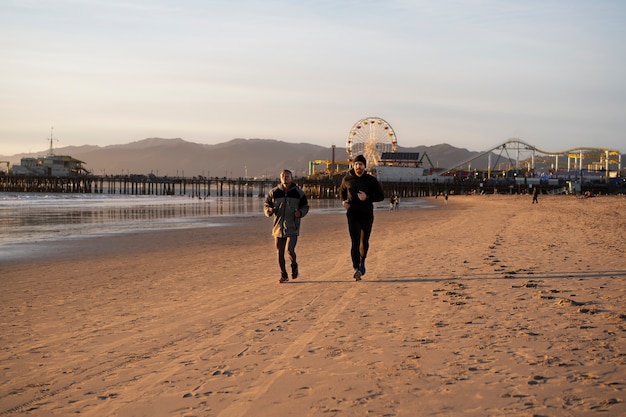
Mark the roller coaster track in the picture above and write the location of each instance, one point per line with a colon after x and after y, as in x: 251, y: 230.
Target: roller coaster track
x: 521, y: 146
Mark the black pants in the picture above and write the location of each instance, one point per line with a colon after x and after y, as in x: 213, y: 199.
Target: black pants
x: 288, y: 242
x: 360, y: 229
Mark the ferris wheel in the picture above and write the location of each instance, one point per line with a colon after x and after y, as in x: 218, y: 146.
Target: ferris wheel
x: 371, y: 137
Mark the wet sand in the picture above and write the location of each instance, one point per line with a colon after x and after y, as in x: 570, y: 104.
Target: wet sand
x: 484, y: 306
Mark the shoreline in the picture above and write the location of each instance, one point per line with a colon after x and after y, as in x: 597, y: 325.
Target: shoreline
x: 486, y: 305
x: 57, y: 228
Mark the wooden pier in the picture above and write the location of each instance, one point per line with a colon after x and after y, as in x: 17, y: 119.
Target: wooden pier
x: 137, y: 185
x: 202, y: 187
x: 192, y: 187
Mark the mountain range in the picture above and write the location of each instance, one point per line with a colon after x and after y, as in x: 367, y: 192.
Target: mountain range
x: 233, y: 159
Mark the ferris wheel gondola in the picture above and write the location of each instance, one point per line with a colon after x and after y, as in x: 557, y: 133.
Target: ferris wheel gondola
x: 371, y: 137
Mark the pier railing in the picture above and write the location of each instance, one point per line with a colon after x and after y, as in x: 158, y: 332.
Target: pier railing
x: 137, y: 185
x: 203, y: 187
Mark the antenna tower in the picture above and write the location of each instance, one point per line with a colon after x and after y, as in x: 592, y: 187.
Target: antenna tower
x: 51, y: 139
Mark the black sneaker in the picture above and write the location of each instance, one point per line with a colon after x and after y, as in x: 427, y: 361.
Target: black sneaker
x: 357, y: 274
x: 283, y: 278
x: 362, y: 267
x: 294, y: 271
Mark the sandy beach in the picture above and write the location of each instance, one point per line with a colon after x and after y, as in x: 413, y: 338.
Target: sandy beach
x: 481, y: 306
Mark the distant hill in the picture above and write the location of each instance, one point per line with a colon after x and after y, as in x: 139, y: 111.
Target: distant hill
x: 235, y: 158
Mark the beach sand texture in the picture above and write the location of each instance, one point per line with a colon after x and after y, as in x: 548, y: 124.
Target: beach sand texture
x: 484, y: 306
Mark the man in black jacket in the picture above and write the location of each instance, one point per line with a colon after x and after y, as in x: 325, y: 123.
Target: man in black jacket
x: 358, y: 191
x: 287, y: 203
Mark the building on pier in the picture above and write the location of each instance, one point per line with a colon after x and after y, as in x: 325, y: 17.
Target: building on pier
x: 403, y: 167
x: 50, y: 166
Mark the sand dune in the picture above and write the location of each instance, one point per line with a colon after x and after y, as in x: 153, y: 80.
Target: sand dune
x: 485, y: 306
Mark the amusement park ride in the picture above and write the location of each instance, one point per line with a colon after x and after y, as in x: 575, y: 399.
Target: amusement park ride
x: 375, y: 139
x: 599, y: 163
x: 370, y: 137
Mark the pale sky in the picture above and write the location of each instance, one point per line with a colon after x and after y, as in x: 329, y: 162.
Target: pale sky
x: 471, y: 73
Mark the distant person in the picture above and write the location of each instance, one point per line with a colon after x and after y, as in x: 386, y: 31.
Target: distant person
x: 288, y: 204
x: 358, y: 191
x: 393, y: 202
x: 535, y: 195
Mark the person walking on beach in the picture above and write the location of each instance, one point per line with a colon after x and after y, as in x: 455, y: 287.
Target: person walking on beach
x: 287, y: 203
x: 535, y: 194
x: 358, y: 191
x: 393, y: 202
x: 396, y: 201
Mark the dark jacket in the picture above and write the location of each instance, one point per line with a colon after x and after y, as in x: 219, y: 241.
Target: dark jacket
x: 351, y: 184
x: 285, y: 205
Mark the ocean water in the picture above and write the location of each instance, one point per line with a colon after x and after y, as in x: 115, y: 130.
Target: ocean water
x: 28, y: 217
x: 36, y: 218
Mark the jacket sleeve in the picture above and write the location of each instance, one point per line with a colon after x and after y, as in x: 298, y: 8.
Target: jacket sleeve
x: 377, y: 193
x: 269, y: 203
x: 303, y: 205
x: 343, y: 190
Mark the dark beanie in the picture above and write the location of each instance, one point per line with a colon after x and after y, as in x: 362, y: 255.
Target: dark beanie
x: 360, y: 158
